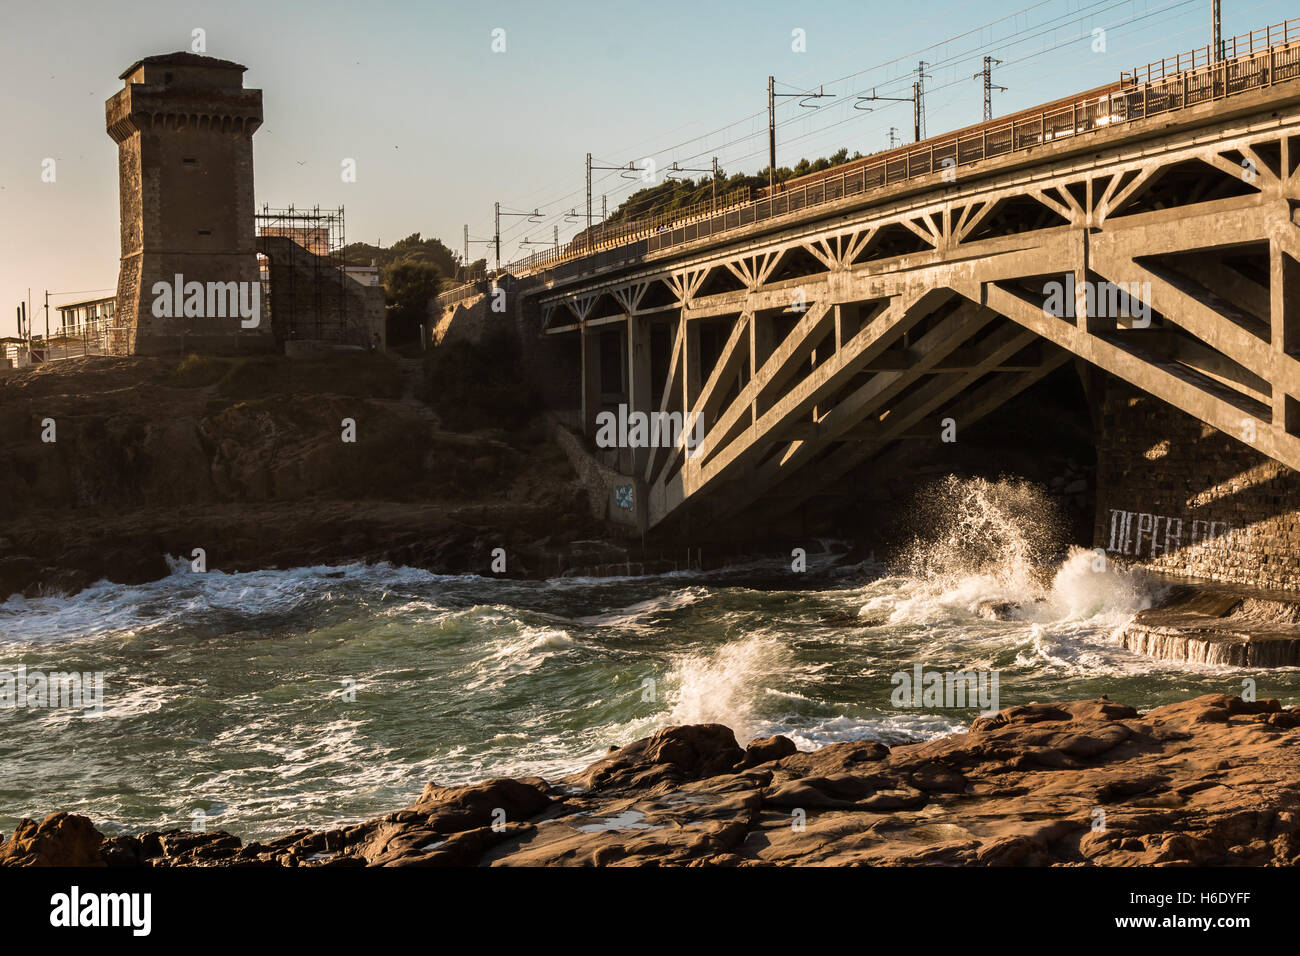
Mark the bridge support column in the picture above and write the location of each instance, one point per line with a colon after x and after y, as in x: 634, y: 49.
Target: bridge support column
x: 691, y: 383
x: 590, y: 373
x: 1085, y: 320
x: 761, y: 346
x: 638, y: 385
x: 1284, y: 285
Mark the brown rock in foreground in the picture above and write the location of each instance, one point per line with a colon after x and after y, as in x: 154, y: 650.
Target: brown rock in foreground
x: 1212, y: 781
x: 61, y: 839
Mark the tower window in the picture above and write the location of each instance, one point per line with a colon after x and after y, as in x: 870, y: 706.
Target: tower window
x: 190, y: 162
x: 205, y: 232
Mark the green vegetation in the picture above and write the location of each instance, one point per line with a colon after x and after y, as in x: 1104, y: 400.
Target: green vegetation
x: 673, y: 195
x: 197, y: 371
x: 481, y: 385
x: 409, y: 284
x: 410, y: 249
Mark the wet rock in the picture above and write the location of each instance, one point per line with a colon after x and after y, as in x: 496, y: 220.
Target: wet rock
x: 452, y: 809
x: 996, y: 610
x: 1214, y: 625
x: 676, y: 753
x: 765, y: 749
x: 1002, y: 610
x: 61, y: 839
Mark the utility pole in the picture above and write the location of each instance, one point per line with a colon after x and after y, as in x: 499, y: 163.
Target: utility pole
x: 534, y: 216
x: 629, y: 168
x: 1216, y: 27
x: 465, y: 261
x: 494, y: 241
x: 919, y: 93
x: 893, y: 136
x: 772, y: 95
x: 47, y: 321
x: 771, y: 134
x: 914, y: 99
x: 675, y: 168
x: 987, y: 75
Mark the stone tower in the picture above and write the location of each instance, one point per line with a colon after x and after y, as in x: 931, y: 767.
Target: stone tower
x: 184, y: 127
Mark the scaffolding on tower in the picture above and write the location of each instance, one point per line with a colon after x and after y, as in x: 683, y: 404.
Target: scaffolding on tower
x: 304, y: 285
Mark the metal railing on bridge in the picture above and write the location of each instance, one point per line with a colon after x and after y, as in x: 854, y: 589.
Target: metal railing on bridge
x: 1277, y: 34
x: 607, y: 235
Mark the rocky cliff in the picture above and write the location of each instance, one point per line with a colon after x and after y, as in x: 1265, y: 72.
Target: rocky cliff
x: 111, y: 465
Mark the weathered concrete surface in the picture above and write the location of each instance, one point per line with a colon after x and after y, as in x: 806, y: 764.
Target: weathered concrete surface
x: 1230, y: 626
x: 607, y: 492
x: 1211, y: 781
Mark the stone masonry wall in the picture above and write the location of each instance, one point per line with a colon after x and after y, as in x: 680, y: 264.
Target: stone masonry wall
x: 1178, y: 496
x: 184, y: 126
x: 551, y: 361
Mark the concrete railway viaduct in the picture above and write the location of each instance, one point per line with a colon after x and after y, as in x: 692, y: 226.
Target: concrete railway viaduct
x: 1148, y: 231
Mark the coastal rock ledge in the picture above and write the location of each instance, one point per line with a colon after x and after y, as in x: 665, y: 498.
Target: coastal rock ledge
x: 1210, y: 781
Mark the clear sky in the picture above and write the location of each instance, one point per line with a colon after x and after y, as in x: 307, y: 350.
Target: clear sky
x: 441, y: 126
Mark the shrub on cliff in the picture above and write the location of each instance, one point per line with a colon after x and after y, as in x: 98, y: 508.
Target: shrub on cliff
x: 196, y: 371
x: 481, y: 384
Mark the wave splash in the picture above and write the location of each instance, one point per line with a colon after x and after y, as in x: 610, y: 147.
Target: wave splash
x: 980, y: 542
x: 725, y: 687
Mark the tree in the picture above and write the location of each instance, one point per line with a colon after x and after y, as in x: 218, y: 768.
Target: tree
x: 409, y: 286
x: 674, y: 194
x: 412, y: 248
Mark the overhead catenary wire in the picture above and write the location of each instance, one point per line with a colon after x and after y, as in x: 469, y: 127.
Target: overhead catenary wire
x: 787, y: 121
x: 1001, y: 45
x: 883, y: 64
x: 1029, y: 32
x: 1035, y: 54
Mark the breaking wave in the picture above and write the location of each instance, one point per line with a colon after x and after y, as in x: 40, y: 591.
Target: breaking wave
x: 994, y: 548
